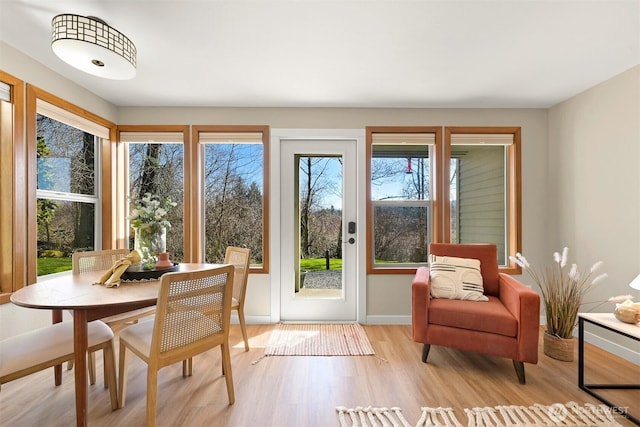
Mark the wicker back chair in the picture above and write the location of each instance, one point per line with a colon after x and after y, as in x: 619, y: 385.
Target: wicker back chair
x: 85, y: 262
x: 240, y: 259
x: 193, y: 315
x: 88, y: 261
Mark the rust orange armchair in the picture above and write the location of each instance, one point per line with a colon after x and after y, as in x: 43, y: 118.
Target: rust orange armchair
x: 507, y: 325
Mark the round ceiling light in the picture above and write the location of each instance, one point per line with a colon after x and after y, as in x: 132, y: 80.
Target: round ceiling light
x: 89, y: 44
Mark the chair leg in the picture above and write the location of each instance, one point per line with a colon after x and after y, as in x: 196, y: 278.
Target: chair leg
x: 226, y: 368
x: 519, y: 366
x: 110, y: 373
x: 152, y: 395
x: 187, y: 367
x: 122, y: 375
x: 243, y: 327
x: 425, y: 352
x: 92, y: 367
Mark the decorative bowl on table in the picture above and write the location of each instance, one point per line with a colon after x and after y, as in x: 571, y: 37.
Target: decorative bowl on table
x: 138, y: 272
x: 627, y: 312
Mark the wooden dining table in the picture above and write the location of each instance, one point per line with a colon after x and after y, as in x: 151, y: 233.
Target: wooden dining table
x: 89, y: 301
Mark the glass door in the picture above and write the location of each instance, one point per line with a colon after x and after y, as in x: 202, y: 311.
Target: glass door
x: 318, y: 227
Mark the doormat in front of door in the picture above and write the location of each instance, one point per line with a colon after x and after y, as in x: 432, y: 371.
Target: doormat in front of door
x: 318, y: 340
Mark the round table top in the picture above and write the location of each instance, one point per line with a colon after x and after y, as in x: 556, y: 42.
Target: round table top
x: 77, y: 291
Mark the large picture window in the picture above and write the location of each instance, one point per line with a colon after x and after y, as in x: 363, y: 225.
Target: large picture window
x: 155, y: 162
x: 234, y: 191
x: 411, y: 203
x: 483, y: 188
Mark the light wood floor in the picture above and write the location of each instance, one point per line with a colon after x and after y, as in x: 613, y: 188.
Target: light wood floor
x: 304, y: 391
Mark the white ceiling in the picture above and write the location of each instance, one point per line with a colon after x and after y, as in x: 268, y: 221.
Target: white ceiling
x: 357, y: 53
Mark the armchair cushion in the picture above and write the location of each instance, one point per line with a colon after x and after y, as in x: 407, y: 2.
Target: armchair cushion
x: 456, y: 278
x: 492, y: 317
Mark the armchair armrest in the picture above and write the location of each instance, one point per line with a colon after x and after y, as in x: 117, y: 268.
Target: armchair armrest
x: 420, y: 299
x: 524, y: 304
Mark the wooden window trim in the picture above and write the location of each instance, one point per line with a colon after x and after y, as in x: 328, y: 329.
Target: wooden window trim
x: 12, y: 245
x: 515, y: 187
x: 438, y: 196
x: 198, y: 186
x: 121, y: 205
x: 107, y: 188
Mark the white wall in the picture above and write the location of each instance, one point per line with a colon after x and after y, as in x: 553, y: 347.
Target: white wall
x: 28, y: 70
x: 594, y: 191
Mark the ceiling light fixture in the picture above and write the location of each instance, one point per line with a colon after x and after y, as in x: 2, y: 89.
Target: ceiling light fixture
x: 89, y: 44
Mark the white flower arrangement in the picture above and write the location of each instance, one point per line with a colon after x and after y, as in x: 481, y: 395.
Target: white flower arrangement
x: 150, y: 212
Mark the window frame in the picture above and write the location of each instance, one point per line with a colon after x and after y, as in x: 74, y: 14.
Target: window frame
x: 514, y: 187
x: 14, y: 208
x: 122, y: 183
x: 435, y: 202
x: 105, y: 164
x: 441, y: 203
x: 198, y: 186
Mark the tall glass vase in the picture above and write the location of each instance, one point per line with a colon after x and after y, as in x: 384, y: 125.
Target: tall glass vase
x: 149, y: 241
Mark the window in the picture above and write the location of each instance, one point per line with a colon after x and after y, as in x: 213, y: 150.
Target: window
x: 401, y: 202
x: 155, y: 162
x: 13, y: 212
x: 68, y: 210
x: 483, y: 188
x: 410, y: 204
x: 234, y: 187
x: 68, y: 181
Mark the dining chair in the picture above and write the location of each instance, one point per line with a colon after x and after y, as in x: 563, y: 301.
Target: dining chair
x: 38, y: 349
x: 240, y: 259
x: 192, y: 316
x: 88, y: 261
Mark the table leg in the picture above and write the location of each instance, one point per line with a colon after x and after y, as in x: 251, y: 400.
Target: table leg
x: 581, y: 353
x: 80, y: 342
x: 56, y: 317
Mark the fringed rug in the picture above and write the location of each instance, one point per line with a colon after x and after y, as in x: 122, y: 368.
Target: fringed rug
x: 558, y: 414
x: 318, y: 340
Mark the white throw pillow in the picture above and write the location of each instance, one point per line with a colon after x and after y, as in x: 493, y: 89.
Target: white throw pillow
x: 456, y: 278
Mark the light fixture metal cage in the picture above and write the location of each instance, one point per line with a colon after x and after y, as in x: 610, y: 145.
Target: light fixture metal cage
x: 94, y: 31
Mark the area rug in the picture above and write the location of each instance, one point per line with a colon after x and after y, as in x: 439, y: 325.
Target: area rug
x: 557, y: 414
x: 318, y: 340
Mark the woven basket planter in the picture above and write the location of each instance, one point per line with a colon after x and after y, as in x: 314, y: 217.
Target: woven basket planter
x: 559, y: 348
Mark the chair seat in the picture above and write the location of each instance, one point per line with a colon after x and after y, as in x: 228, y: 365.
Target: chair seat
x: 39, y: 346
x: 129, y: 316
x: 486, y: 316
x: 188, y: 327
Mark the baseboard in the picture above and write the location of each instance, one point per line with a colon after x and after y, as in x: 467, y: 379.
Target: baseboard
x: 591, y: 338
x: 389, y: 320
x: 605, y: 344
x: 251, y: 320
x: 612, y: 347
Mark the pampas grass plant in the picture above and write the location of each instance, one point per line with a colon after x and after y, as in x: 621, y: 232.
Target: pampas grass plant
x: 562, y: 290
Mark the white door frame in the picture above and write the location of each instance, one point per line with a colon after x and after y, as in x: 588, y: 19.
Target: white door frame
x: 274, y: 175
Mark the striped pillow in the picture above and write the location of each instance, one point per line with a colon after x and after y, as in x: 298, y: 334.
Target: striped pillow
x: 456, y: 278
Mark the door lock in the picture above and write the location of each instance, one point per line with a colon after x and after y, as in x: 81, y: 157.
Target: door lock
x: 351, y: 227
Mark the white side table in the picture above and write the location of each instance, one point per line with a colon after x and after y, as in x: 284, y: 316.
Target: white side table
x: 609, y: 322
